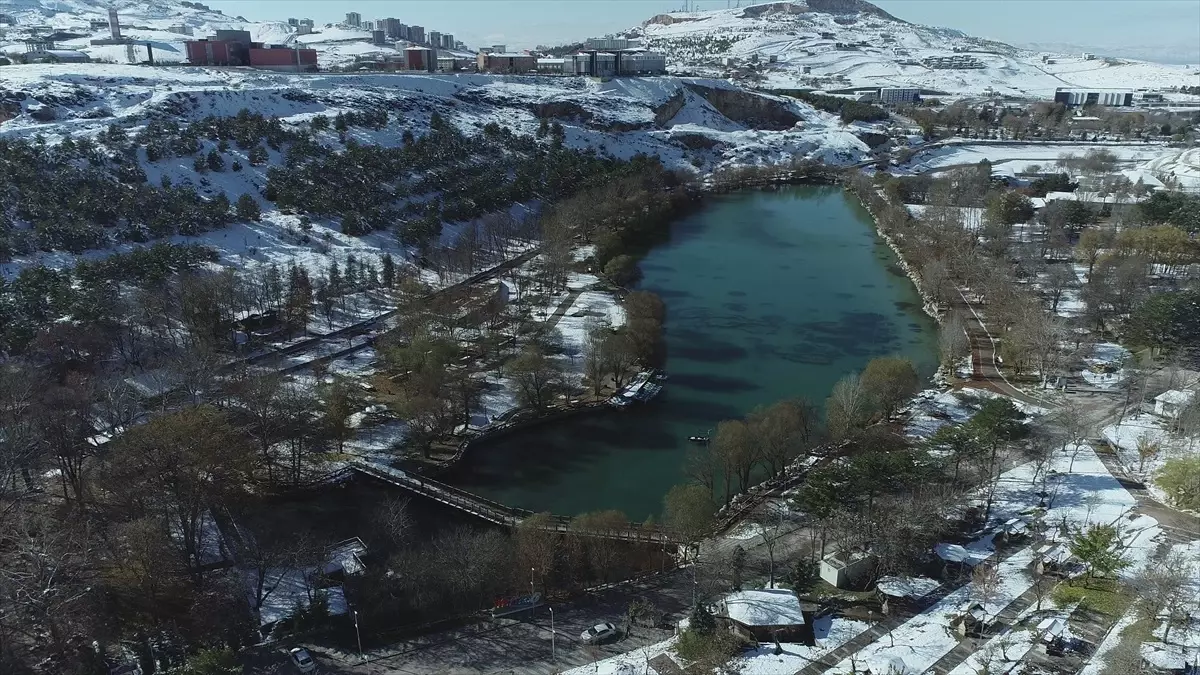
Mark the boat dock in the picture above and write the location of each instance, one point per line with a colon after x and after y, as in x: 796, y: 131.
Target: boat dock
x: 645, y: 386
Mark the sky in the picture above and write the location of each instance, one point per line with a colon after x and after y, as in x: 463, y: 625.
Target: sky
x: 1169, y: 29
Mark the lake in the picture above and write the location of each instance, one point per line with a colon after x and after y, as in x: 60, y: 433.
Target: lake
x: 769, y: 295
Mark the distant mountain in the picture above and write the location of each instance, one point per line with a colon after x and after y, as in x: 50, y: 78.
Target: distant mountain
x: 847, y: 44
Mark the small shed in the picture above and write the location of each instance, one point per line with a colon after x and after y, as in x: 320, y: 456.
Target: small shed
x: 1013, y: 530
x: 1171, y: 402
x: 766, y: 615
x: 970, y: 621
x: 958, y: 560
x: 1056, y: 560
x: 847, y: 569
x: 345, y: 558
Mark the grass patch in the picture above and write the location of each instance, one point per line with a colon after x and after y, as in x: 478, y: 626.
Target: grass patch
x: 1101, y: 595
x: 709, y: 651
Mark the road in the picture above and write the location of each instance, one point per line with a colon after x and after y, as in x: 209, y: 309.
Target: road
x: 985, y: 364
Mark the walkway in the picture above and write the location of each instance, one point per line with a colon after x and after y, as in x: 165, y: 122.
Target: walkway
x: 500, y: 514
x: 985, y: 363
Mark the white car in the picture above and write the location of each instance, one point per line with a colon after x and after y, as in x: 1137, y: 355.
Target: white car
x: 598, y: 633
x: 303, y: 660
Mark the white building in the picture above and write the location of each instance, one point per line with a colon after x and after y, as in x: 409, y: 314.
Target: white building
x: 898, y: 95
x: 1170, y: 403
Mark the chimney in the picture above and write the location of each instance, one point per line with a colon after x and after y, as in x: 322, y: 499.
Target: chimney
x: 114, y: 24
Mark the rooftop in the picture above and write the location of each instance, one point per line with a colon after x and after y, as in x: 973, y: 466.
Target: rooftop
x: 907, y: 587
x: 1175, y: 397
x: 767, y: 607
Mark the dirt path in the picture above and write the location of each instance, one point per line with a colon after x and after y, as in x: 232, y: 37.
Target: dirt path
x: 985, y: 365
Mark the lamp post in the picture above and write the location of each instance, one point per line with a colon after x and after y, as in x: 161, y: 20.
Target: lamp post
x: 358, y: 635
x: 553, y: 635
x: 531, y: 591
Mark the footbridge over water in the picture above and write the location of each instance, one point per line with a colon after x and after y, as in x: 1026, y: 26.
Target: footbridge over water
x: 500, y: 514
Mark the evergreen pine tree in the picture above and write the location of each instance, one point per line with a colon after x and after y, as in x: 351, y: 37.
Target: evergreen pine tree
x: 701, y: 621
x: 389, y: 270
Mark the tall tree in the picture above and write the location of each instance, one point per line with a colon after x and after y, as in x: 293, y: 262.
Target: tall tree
x: 889, y: 382
x: 848, y: 407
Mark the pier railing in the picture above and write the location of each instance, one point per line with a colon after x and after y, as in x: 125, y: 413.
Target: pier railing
x: 501, y: 514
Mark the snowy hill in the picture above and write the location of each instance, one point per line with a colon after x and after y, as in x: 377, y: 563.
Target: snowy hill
x: 851, y: 43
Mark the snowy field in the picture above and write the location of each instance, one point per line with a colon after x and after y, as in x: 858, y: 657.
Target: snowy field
x: 1021, y: 157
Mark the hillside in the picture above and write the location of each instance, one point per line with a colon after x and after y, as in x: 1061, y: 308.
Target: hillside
x: 170, y: 122
x: 876, y: 50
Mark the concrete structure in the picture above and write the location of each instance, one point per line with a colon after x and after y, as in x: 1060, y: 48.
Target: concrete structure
x: 826, y: 35
x: 114, y: 24
x: 505, y: 63
x: 904, y: 592
x: 847, y: 569
x: 293, y: 22
x: 420, y: 58
x: 435, y: 39
x: 182, y: 29
x: 897, y: 95
x: 378, y: 37
x: 1075, y: 98
x: 353, y: 19
x: 448, y: 41
x: 765, y: 616
x: 416, y: 34
x: 367, y: 26
x: 1170, y: 403
x: 956, y: 62
x: 596, y: 64
x: 306, y: 23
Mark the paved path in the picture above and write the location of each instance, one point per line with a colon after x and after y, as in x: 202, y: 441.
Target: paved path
x: 984, y: 361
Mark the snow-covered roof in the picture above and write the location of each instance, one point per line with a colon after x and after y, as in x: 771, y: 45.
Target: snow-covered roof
x: 767, y: 607
x: 1175, y: 396
x: 960, y: 554
x: 509, y: 54
x: 907, y: 587
x: 1167, y: 657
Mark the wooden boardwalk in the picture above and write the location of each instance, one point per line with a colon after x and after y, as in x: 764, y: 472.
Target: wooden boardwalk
x: 500, y: 514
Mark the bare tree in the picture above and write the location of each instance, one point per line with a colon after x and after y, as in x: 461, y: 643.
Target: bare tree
x: 1165, y: 587
x: 848, y: 408
x: 953, y: 343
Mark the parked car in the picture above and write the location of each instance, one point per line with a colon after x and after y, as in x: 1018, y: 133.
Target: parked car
x: 303, y: 660
x: 598, y: 633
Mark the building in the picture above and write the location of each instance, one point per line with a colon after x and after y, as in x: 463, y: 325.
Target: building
x: 596, y: 64
x: 1088, y: 56
x: 391, y: 27
x: 421, y: 58
x: 898, y: 95
x: 448, y: 41
x: 306, y: 23
x: 114, y: 24
x: 504, y: 62
x: 435, y: 39
x: 182, y: 29
x: 551, y: 66
x: 367, y: 26
x: 378, y: 37
x: 353, y: 19
x: 847, y: 569
x: 447, y: 63
x: 56, y: 56
x: 765, y: 616
x: 8, y: 20
x: 1075, y: 98
x: 904, y: 592
x: 826, y: 35
x: 1171, y: 403
x: 606, y: 44
x: 293, y: 22
x: 235, y: 48
x: 416, y: 34
x: 303, y: 29
x: 498, y: 48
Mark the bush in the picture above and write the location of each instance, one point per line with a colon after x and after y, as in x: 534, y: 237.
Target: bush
x: 1180, y: 479
x: 707, y: 650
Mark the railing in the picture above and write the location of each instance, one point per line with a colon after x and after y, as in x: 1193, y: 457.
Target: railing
x: 501, y: 514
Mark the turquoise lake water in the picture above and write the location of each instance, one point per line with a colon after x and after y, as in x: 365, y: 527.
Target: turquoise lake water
x: 769, y: 295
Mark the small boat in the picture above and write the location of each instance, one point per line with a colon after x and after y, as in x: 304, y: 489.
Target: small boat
x: 698, y: 439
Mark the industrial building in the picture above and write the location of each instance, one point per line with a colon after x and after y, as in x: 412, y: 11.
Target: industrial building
x: 606, y: 44
x: 235, y: 48
x: 506, y: 62
x: 1076, y: 98
x: 898, y: 95
x: 551, y: 66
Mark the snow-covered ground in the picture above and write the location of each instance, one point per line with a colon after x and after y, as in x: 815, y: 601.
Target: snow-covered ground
x: 883, y: 51
x: 1021, y: 157
x: 1151, y: 432
x: 1104, y: 369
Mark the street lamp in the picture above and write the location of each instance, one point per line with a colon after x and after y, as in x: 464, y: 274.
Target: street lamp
x: 553, y: 649
x: 531, y: 591
x: 358, y: 635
